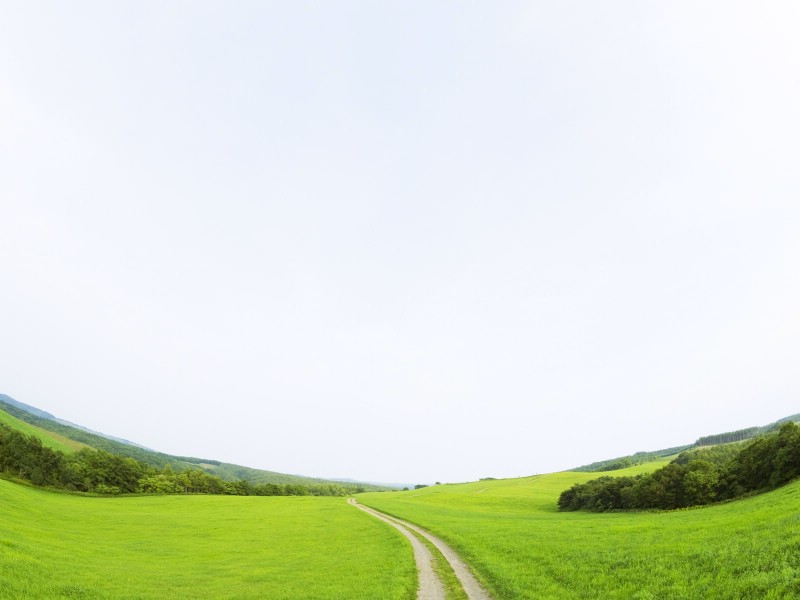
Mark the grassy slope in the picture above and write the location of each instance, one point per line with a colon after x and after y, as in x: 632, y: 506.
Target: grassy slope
x: 49, y: 439
x: 521, y: 547
x: 749, y: 433
x: 78, y: 438
x: 173, y: 547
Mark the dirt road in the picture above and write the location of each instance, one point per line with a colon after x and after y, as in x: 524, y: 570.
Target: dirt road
x: 430, y: 588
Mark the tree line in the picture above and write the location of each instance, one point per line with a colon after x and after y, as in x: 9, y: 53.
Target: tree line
x: 24, y: 457
x: 727, y: 437
x: 697, y: 478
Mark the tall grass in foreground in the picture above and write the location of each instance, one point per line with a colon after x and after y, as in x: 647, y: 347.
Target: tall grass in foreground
x: 512, y: 534
x: 171, y: 547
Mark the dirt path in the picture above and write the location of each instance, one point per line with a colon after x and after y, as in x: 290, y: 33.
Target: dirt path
x: 430, y: 588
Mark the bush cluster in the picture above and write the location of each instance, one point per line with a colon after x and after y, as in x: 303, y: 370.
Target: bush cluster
x: 696, y: 478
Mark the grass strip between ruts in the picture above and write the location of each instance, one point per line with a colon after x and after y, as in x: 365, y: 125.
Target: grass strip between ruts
x: 443, y: 570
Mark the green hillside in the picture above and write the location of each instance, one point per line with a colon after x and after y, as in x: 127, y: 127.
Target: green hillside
x: 728, y: 437
x: 196, y: 547
x: 48, y: 438
x: 233, y: 472
x: 521, y: 547
x: 509, y: 531
x: 74, y: 438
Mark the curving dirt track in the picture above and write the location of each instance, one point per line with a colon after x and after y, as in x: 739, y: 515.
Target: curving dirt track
x: 430, y: 588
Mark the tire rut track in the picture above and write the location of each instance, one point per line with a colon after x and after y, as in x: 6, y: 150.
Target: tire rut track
x: 430, y: 588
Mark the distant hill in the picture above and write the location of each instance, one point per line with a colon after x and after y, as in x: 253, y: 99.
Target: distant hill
x: 65, y: 436
x: 622, y: 462
x: 26, y: 407
x: 398, y: 486
x: 37, y: 412
x: 744, y: 434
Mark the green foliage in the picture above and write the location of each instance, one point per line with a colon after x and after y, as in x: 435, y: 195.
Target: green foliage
x: 196, y: 547
x: 48, y: 438
x: 24, y: 457
x: 718, y: 455
x: 745, y: 434
x: 698, y: 477
x: 766, y: 463
x: 98, y: 442
x: 70, y: 438
x: 623, y: 462
x: 522, y: 547
x: 730, y: 436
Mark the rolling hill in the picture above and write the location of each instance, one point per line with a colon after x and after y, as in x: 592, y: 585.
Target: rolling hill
x: 521, y: 547
x: 49, y: 439
x: 67, y: 437
x: 510, y: 532
x: 740, y: 435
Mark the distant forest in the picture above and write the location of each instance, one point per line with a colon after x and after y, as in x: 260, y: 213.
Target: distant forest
x: 697, y: 477
x: 726, y: 438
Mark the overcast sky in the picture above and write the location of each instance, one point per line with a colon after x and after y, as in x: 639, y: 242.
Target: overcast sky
x: 407, y: 241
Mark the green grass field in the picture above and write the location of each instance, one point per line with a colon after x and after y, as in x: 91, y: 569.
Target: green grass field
x: 521, y: 547
x: 171, y: 547
x: 49, y: 439
x: 216, y: 547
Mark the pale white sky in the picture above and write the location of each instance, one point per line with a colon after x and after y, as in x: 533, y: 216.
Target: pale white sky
x: 401, y: 242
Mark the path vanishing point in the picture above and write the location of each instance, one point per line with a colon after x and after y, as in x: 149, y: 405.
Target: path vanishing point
x: 430, y: 588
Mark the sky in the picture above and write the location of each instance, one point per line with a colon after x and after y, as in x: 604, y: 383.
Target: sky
x: 401, y: 242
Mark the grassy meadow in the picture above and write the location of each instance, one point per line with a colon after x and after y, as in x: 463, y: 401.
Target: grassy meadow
x: 520, y: 546
x: 171, y: 547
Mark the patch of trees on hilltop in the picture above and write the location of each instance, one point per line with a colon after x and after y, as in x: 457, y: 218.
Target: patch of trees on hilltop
x: 728, y: 437
x: 697, y: 478
x: 24, y: 457
x: 744, y: 434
